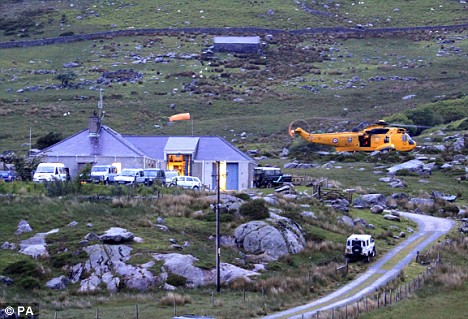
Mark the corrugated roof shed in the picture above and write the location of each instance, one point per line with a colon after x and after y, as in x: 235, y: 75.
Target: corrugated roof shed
x: 237, y: 40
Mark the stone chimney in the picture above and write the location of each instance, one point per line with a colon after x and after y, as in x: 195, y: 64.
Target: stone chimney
x: 94, y: 125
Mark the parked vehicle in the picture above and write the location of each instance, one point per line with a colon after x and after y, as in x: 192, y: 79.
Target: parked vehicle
x: 155, y: 176
x: 49, y: 172
x: 360, y: 247
x: 190, y: 182
x: 170, y: 175
x: 130, y: 176
x: 103, y: 174
x: 7, y: 176
x: 270, y: 177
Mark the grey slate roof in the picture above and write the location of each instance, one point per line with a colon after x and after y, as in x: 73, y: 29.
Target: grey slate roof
x: 109, y: 143
x: 209, y: 147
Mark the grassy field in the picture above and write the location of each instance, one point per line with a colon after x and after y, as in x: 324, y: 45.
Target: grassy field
x: 34, y: 19
x: 327, y: 80
x: 261, y: 103
x: 283, y: 284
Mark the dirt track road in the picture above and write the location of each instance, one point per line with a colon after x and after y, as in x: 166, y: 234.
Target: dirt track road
x: 429, y: 230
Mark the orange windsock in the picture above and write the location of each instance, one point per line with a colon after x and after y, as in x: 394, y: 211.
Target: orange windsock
x: 180, y: 117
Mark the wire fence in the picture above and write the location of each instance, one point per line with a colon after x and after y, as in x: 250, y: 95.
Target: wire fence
x: 383, y: 298
x: 262, y: 300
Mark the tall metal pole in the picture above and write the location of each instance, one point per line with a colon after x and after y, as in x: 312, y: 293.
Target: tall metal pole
x: 218, y: 248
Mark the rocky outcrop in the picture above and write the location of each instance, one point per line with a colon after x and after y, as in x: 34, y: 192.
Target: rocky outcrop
x: 228, y: 203
x: 36, y: 245
x: 182, y: 265
x: 116, y: 235
x: 370, y: 200
x: 416, y: 166
x: 58, y: 283
x: 23, y: 227
x: 106, y: 266
x: 274, y: 239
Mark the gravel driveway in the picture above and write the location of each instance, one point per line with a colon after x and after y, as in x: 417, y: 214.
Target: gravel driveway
x: 429, y: 230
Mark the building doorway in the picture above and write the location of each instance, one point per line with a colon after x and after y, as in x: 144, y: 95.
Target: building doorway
x: 181, y: 163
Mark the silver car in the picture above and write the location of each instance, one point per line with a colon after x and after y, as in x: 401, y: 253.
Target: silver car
x: 130, y: 176
x: 190, y: 182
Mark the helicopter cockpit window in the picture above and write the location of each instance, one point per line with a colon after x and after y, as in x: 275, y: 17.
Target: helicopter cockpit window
x: 410, y: 140
x: 404, y: 137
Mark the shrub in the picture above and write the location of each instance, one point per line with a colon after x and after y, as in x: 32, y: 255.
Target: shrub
x: 176, y: 280
x: 29, y: 283
x: 254, y: 210
x: 173, y: 298
x: 24, y: 268
x: 243, y: 196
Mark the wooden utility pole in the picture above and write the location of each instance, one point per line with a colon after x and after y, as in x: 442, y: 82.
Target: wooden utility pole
x: 218, y: 248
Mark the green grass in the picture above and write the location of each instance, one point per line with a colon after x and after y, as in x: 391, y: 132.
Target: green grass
x: 137, y: 108
x: 272, y: 100
x: 92, y: 16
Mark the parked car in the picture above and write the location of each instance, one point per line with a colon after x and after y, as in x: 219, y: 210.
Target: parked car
x: 130, y: 176
x: 360, y: 247
x: 190, y: 182
x: 270, y: 177
x: 155, y: 176
x: 7, y: 176
x: 170, y: 175
x: 49, y: 172
x: 103, y: 174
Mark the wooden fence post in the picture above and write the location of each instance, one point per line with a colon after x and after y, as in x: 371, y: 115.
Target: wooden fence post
x: 136, y: 311
x: 97, y: 313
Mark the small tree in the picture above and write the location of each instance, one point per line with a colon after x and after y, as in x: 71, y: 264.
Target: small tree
x: 66, y: 78
x: 25, y: 167
x: 50, y: 139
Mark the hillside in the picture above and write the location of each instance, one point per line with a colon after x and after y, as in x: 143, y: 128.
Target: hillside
x: 333, y: 80
x: 331, y: 64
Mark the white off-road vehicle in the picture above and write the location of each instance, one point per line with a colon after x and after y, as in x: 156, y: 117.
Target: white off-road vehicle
x: 360, y: 247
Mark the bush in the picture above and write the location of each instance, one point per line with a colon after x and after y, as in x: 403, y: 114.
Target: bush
x: 29, y: 283
x: 173, y: 298
x: 24, y: 268
x: 243, y: 196
x: 254, y: 210
x: 176, y: 280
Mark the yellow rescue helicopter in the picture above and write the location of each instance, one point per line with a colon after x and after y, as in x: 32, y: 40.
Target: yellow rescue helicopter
x: 380, y: 136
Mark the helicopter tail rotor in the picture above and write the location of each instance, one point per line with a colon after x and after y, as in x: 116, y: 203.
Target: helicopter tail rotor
x: 298, y: 124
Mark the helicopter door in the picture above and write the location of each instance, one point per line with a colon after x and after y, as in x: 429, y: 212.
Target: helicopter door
x: 365, y: 141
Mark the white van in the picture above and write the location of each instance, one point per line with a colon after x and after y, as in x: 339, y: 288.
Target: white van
x: 48, y: 172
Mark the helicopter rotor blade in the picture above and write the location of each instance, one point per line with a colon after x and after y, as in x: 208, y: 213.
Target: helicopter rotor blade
x: 409, y: 125
x: 296, y: 124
